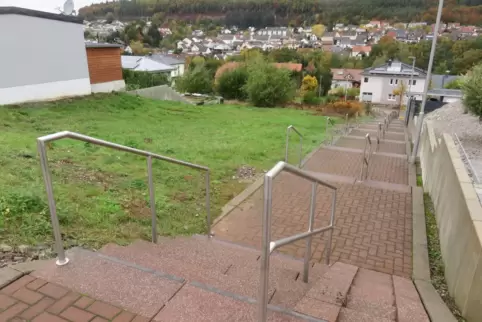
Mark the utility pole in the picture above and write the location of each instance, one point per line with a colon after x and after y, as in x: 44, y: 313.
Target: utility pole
x: 427, y: 81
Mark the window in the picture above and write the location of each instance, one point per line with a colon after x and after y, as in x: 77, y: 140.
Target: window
x: 366, y: 80
x: 414, y: 82
x: 396, y: 82
x: 391, y: 81
x: 391, y: 97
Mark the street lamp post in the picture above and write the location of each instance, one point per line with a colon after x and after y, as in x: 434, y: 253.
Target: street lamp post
x: 427, y: 81
x: 407, y: 110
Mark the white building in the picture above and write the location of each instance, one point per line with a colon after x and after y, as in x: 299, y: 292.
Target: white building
x: 176, y: 63
x: 51, y: 65
x: 378, y: 83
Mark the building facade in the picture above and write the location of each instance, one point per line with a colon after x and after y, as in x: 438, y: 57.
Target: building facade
x: 48, y: 66
x: 379, y: 83
x: 105, y: 68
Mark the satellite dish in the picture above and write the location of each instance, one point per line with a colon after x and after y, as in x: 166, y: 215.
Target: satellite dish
x: 68, y: 8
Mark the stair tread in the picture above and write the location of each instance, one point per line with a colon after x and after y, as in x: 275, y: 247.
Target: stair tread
x: 134, y: 290
x: 195, y: 304
x: 349, y: 315
x: 318, y: 309
x: 334, y: 285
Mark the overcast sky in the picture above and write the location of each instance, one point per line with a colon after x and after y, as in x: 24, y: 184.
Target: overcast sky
x: 45, y: 5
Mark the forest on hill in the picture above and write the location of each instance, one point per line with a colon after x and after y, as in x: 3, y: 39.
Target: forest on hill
x: 260, y: 13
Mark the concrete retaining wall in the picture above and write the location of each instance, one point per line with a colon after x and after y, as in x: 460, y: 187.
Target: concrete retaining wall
x: 162, y: 92
x: 459, y: 219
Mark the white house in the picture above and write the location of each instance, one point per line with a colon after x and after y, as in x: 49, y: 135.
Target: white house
x: 48, y: 66
x: 176, y: 63
x: 378, y: 83
x: 346, y: 77
x: 145, y: 64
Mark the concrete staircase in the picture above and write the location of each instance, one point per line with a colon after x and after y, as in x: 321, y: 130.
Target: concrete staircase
x: 200, y: 279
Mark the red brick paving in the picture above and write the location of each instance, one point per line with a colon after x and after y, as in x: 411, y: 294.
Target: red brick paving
x: 30, y: 299
x: 373, y: 227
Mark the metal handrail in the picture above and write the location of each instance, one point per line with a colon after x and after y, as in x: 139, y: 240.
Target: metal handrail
x: 379, y: 133
x: 366, y: 158
x: 61, y: 258
x: 329, y: 121
x: 347, y: 128
x: 269, y: 246
x: 288, y: 131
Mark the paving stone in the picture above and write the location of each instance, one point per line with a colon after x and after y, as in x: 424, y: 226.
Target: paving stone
x: 63, y: 303
x: 348, y: 315
x: 17, y: 284
x: 13, y: 311
x: 53, y: 291
x: 27, y: 296
x: 6, y: 302
x: 47, y: 317
x: 124, y: 317
x: 318, y: 309
x: 83, y: 302
x: 36, y: 284
x: 36, y: 309
x: 77, y: 315
x: 103, y: 309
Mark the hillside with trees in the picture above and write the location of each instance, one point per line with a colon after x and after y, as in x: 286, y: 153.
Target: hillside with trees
x: 261, y: 13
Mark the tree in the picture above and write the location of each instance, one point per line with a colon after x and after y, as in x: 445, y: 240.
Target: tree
x: 400, y: 92
x: 318, y: 30
x: 231, y: 83
x: 109, y: 18
x: 454, y: 84
x: 196, y: 80
x: 137, y: 48
x: 472, y: 88
x: 268, y: 86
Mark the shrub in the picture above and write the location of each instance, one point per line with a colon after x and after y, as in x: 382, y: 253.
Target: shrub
x: 137, y: 80
x: 311, y: 98
x: 196, y: 80
x: 346, y: 107
x: 368, y: 108
x: 472, y: 88
x: 454, y: 84
x: 231, y: 83
x: 309, y: 84
x: 267, y: 85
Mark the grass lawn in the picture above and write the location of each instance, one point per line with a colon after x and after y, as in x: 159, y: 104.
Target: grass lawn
x: 102, y: 194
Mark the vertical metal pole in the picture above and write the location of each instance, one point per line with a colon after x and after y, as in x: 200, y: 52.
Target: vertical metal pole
x: 410, y: 88
x: 152, y: 199
x: 287, y: 143
x: 332, y: 224
x: 208, y: 204
x: 59, y: 246
x: 427, y: 82
x: 346, y: 123
x: 301, y: 152
x: 265, y: 251
x: 306, y: 266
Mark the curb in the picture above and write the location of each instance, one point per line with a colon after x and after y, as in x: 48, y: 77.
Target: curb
x: 436, y: 308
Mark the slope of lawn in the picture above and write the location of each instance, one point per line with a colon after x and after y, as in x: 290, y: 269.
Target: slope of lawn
x: 102, y: 194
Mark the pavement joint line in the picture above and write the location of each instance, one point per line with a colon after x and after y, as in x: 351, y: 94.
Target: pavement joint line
x: 138, y: 267
x: 251, y: 300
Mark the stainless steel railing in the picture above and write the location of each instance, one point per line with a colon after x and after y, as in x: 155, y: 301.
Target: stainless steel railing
x: 379, y: 133
x: 366, y: 158
x: 41, y: 141
x: 330, y: 121
x: 269, y: 246
x: 288, y: 131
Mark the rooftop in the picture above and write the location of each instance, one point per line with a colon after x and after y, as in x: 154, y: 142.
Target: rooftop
x: 144, y: 64
x: 39, y: 14
x: 394, y: 68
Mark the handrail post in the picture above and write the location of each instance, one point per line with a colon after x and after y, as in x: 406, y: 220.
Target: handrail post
x: 59, y: 246
x: 306, y: 266
x: 208, y: 205
x: 346, y: 123
x: 287, y: 143
x: 265, y: 251
x: 152, y: 199
x: 330, y: 236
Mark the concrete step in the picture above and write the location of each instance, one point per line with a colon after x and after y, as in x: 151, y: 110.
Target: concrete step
x: 372, y: 294
x: 385, y: 147
x: 135, y: 290
x: 204, y: 261
x: 373, y: 134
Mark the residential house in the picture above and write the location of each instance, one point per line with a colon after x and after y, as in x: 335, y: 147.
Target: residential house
x: 46, y: 57
x: 361, y: 51
x: 176, y: 62
x: 352, y: 34
x: 374, y: 24
x: 360, y: 40
x: 343, y: 42
x: 275, y: 31
x: 145, y: 64
x: 328, y: 37
x: 378, y: 83
x: 339, y: 26
x: 198, y: 33
x: 346, y: 77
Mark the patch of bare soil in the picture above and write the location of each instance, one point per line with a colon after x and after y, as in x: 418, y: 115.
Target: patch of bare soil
x: 137, y: 208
